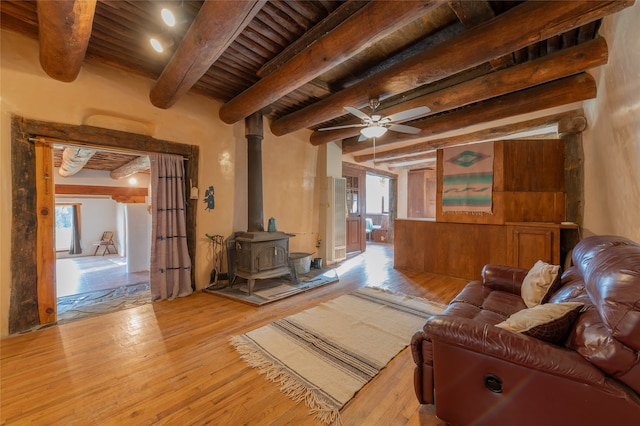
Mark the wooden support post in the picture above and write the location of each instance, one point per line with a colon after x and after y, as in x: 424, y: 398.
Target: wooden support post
x: 46, y: 253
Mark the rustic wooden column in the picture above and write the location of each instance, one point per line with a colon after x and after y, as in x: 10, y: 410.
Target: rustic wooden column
x: 570, y: 131
x: 254, y: 135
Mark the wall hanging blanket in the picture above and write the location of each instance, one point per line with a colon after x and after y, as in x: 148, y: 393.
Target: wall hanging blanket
x: 467, y: 178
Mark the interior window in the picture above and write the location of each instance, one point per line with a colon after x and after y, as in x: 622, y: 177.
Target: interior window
x: 65, y: 225
x: 377, y: 194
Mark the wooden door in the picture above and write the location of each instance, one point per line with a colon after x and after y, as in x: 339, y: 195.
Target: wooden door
x: 355, y: 210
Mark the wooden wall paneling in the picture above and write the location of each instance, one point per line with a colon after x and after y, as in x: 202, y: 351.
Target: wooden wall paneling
x: 416, y: 194
x: 431, y: 185
x: 528, y: 184
x: 463, y: 249
x: 534, y: 206
x: 533, y: 165
x: 415, y: 243
x: 453, y: 249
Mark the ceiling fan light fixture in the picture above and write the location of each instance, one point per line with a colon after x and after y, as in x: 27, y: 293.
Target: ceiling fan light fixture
x: 373, y: 131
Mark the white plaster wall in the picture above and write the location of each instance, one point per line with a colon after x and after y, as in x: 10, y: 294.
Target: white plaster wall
x: 138, y: 231
x: 403, y: 198
x: 96, y: 216
x: 107, y: 97
x: 612, y: 140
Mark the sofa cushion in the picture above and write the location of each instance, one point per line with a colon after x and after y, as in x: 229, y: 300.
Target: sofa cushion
x: 539, y: 283
x: 483, y: 304
x: 551, y: 322
x: 613, y: 284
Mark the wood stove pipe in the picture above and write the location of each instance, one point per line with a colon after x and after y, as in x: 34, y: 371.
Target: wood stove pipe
x: 254, y: 135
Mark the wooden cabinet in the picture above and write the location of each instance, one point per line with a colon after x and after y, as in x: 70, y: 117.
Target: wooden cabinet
x: 529, y: 242
x: 528, y: 204
x: 380, y: 235
x: 462, y: 249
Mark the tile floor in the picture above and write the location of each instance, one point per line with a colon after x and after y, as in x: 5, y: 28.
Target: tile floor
x: 92, y: 273
x: 93, y: 285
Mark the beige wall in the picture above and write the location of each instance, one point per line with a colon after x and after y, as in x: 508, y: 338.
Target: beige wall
x: 612, y: 141
x: 107, y: 97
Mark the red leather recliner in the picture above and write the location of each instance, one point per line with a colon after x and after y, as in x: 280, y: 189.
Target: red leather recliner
x: 477, y: 373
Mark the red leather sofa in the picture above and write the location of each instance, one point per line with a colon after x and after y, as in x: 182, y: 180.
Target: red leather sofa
x: 477, y: 373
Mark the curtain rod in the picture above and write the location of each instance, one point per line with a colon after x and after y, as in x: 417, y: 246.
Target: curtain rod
x: 74, y: 144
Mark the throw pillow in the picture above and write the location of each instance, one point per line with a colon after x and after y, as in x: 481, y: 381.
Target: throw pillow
x: 538, y: 283
x: 551, y: 322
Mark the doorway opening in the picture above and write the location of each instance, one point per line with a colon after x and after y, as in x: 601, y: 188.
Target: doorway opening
x: 102, y: 237
x: 377, y: 198
x: 32, y: 301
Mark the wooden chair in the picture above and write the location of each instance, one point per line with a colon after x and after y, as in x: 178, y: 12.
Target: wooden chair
x: 107, y: 241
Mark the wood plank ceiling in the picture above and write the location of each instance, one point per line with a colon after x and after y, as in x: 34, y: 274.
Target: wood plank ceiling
x: 301, y: 62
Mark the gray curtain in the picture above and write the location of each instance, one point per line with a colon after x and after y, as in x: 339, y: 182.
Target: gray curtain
x: 75, y: 247
x: 170, y: 273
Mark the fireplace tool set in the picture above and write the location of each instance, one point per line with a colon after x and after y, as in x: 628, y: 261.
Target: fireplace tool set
x: 217, y: 246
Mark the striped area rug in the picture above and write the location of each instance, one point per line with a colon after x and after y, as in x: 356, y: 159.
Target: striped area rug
x: 325, y: 354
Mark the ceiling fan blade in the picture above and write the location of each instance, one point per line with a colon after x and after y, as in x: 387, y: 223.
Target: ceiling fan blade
x: 362, y: 138
x: 407, y: 114
x: 358, y: 113
x: 404, y: 129
x: 346, y: 126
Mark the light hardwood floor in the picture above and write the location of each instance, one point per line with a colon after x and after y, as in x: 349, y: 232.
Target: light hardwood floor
x: 170, y: 362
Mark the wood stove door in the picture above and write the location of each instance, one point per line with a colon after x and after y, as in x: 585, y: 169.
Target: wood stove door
x: 271, y: 257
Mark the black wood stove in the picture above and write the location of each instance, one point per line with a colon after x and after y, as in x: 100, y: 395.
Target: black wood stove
x: 259, y: 254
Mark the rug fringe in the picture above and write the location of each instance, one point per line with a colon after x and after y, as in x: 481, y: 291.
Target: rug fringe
x: 291, y: 387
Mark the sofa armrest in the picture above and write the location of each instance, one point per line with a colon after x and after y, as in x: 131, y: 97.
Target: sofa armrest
x: 417, y: 341
x: 503, y: 278
x: 511, y: 347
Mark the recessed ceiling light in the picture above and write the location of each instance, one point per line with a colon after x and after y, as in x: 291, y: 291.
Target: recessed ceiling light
x: 155, y: 43
x: 133, y: 181
x: 168, y: 17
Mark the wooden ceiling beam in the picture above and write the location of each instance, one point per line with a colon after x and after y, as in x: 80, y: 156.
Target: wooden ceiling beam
x: 64, y: 30
x: 519, y: 27
x: 215, y: 27
x: 119, y: 194
x: 334, y: 19
x: 134, y: 166
x: 426, y: 156
x: 74, y: 159
x: 565, y: 91
x: 570, y: 118
x: 548, y: 68
x: 368, y: 25
x: 472, y: 13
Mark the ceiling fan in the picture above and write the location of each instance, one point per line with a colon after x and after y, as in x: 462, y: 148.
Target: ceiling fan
x: 375, y: 125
